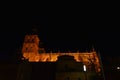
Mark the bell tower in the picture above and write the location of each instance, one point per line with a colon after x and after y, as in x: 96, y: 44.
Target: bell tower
x: 30, y: 47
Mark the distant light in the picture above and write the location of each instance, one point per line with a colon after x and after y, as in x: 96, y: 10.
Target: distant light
x: 84, y: 67
x: 118, y: 67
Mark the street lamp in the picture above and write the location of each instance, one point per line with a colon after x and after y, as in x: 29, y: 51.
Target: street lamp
x: 84, y: 69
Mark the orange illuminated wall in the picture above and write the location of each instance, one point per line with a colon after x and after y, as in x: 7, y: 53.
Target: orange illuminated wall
x: 30, y: 51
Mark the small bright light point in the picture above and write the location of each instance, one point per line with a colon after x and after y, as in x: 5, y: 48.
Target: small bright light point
x: 84, y: 67
x: 118, y: 67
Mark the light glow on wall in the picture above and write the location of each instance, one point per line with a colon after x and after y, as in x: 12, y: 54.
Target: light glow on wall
x: 118, y: 67
x: 84, y: 68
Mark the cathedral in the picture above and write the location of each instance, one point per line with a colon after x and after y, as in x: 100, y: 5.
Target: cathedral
x: 58, y: 66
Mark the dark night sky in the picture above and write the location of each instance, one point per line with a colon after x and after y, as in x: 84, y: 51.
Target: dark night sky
x: 62, y: 32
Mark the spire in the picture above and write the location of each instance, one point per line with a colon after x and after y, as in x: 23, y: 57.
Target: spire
x: 34, y: 29
x: 93, y: 49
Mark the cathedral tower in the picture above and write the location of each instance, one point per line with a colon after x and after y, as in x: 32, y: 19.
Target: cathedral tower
x: 30, y: 47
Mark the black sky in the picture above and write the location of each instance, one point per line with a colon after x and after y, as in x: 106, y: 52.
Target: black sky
x: 63, y: 32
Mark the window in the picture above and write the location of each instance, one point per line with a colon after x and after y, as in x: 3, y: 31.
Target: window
x: 26, y: 49
x: 32, y: 40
